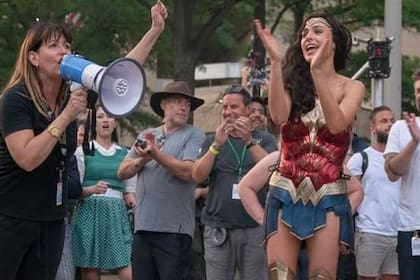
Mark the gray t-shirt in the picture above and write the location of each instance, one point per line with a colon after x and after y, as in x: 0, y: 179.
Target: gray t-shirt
x: 223, y: 208
x: 164, y: 202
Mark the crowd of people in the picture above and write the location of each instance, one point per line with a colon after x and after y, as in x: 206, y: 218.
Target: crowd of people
x: 281, y: 191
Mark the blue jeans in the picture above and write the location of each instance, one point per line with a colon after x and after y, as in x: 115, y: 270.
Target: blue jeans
x: 408, y: 265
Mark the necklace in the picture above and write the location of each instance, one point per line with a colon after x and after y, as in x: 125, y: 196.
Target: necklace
x: 51, y: 113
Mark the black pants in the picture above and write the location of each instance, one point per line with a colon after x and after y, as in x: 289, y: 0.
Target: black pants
x: 161, y: 256
x: 409, y: 265
x: 198, y: 262
x: 30, y: 250
x: 346, y: 269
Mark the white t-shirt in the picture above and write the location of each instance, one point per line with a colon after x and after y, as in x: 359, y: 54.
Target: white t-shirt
x: 378, y: 212
x: 409, y: 202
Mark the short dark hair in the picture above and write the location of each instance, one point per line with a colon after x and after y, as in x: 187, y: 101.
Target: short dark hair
x: 238, y: 89
x: 81, y: 122
x: 376, y: 110
x: 262, y: 101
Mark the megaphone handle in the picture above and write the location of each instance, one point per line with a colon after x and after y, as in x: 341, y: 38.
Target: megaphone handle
x: 92, y: 97
x: 90, y: 128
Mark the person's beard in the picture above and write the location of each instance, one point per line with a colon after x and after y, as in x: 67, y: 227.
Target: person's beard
x: 382, y: 137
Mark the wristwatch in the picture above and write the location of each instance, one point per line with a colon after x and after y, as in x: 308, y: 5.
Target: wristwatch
x: 253, y: 142
x: 250, y: 145
x: 55, y: 131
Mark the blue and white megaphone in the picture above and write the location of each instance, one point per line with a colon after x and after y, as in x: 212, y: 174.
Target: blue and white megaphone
x: 120, y: 85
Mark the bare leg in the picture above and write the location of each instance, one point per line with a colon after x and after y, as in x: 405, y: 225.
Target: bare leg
x: 125, y: 273
x: 283, y: 248
x: 389, y: 277
x: 367, y: 278
x: 90, y: 274
x: 323, y: 248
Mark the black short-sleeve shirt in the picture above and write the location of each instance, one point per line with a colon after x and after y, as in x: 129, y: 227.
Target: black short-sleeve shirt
x: 30, y: 195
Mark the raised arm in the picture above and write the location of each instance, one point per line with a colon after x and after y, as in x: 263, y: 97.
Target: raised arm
x: 141, y: 51
x: 397, y: 164
x: 339, y: 114
x: 340, y: 111
x: 279, y: 101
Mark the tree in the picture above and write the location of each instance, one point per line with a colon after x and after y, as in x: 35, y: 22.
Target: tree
x: 197, y: 31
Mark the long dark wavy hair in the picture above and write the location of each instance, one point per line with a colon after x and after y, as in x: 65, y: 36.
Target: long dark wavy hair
x: 296, y: 71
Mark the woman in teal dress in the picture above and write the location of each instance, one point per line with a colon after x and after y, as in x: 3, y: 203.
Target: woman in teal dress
x: 101, y: 230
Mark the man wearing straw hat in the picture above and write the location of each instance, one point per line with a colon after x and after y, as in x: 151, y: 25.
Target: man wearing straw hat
x: 162, y: 157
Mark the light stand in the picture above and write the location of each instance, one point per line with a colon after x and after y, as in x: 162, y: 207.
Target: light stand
x: 377, y: 66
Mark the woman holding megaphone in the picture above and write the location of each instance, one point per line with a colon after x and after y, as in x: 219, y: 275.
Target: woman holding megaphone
x: 37, y: 137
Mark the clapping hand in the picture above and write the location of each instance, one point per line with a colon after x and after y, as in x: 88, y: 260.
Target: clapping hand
x: 410, y: 119
x: 268, y: 41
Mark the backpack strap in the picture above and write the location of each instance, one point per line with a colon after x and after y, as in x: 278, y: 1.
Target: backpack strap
x: 365, y: 162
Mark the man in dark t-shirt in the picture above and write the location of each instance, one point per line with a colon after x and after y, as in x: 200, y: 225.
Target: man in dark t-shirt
x: 231, y: 236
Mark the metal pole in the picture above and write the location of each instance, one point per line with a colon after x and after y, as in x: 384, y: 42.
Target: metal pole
x: 377, y: 90
x: 360, y: 71
x: 392, y: 96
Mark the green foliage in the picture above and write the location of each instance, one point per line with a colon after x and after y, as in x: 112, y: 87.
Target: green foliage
x: 364, y: 12
x: 110, y: 33
x: 224, y: 46
x: 356, y: 61
x: 109, y: 29
x: 411, y: 13
x: 206, y: 31
x: 106, y: 32
x: 409, y: 64
x: 138, y: 121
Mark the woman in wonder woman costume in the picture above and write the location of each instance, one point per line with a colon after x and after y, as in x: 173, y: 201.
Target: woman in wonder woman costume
x: 315, y: 106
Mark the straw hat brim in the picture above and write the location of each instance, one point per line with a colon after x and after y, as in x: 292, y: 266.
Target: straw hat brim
x: 157, y: 98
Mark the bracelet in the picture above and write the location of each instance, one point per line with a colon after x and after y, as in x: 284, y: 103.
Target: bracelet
x: 213, y: 150
x: 250, y: 145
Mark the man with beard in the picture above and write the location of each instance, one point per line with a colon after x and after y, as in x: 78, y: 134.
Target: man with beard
x: 376, y: 222
x: 402, y: 160
x: 232, y: 238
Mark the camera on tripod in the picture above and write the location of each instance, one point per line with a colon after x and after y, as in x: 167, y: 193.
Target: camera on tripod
x: 257, y: 77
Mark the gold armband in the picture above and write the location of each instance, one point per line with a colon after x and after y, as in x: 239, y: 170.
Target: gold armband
x: 213, y: 150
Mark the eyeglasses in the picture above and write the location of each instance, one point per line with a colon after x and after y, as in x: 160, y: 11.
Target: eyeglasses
x: 237, y: 89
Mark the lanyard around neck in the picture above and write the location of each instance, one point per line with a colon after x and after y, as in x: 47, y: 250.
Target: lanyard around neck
x: 239, y: 160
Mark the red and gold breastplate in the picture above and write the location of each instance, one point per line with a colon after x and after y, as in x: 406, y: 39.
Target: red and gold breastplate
x: 309, y: 149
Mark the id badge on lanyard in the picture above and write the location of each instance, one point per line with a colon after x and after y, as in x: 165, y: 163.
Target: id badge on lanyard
x: 59, y: 189
x: 415, y: 244
x: 240, y: 162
